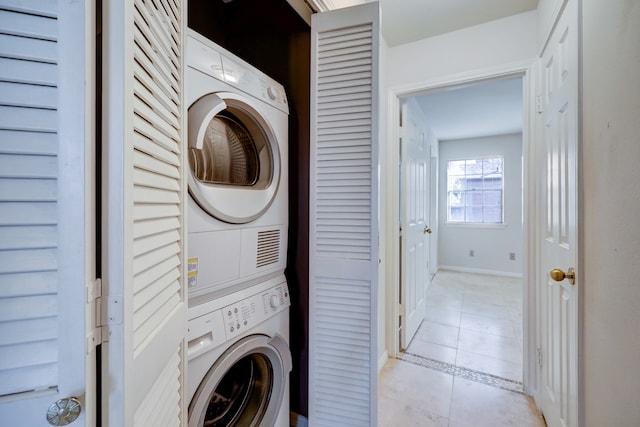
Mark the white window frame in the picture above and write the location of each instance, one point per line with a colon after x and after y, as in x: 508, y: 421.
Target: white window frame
x: 465, y: 223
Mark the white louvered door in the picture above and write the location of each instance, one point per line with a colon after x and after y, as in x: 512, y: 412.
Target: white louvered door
x: 343, y: 247
x: 46, y: 243
x: 144, y: 194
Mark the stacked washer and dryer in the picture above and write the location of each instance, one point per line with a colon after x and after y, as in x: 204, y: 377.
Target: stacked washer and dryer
x: 238, y: 316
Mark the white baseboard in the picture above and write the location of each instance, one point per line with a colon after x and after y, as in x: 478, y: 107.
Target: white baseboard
x: 480, y: 271
x: 297, y: 420
x: 382, y: 361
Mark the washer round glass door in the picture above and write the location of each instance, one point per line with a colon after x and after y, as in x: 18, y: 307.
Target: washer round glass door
x: 233, y: 158
x: 244, y: 387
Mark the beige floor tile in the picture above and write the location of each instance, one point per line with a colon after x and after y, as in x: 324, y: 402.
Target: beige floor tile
x: 432, y: 351
x: 437, y: 333
x: 417, y: 386
x: 488, y: 325
x: 495, y: 346
x: 486, y: 309
x: 397, y: 412
x: 446, y: 317
x: 479, y: 405
x: 444, y: 302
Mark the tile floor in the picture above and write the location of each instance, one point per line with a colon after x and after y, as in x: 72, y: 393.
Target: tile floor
x: 473, y: 325
x: 473, y: 321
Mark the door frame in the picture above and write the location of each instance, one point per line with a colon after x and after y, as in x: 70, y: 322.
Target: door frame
x: 522, y: 69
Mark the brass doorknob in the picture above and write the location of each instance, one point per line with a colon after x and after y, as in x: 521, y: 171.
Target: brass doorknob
x: 559, y: 275
x: 427, y: 230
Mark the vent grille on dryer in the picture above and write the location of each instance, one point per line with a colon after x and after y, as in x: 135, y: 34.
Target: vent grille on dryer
x: 268, y: 248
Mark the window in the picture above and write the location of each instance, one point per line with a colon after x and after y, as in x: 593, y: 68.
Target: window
x: 474, y: 190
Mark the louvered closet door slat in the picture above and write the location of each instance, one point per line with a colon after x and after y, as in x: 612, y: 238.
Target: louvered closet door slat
x: 151, y: 164
x: 158, y: 63
x: 31, y: 96
x: 155, y: 74
x: 28, y: 119
x: 146, y: 145
x: 28, y: 25
x: 28, y: 72
x: 15, y: 142
x: 42, y: 8
x: 158, y: 104
x: 343, y: 223
x: 146, y: 84
x: 161, y: 32
x: 146, y: 278
x: 161, y: 122
x: 143, y: 296
x: 28, y: 49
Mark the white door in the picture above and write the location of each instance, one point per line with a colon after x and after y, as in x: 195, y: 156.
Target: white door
x: 343, y: 246
x: 414, y: 274
x: 144, y: 193
x: 558, y: 300
x: 46, y: 235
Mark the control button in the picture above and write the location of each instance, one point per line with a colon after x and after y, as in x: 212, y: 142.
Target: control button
x: 271, y: 93
x: 235, y: 310
x: 229, y: 313
x: 245, y: 323
x: 274, y: 301
x: 238, y: 326
x: 232, y: 329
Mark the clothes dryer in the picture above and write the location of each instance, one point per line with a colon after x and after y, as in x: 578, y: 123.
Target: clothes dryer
x: 239, y: 358
x: 237, y: 149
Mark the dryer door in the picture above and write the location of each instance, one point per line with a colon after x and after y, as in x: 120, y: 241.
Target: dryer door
x: 233, y: 158
x: 245, y: 386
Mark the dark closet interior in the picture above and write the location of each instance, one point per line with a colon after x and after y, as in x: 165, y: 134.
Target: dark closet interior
x: 271, y: 36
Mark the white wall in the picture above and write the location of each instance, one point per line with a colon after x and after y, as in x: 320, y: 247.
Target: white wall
x: 610, y: 274
x: 486, y: 46
x: 491, y: 246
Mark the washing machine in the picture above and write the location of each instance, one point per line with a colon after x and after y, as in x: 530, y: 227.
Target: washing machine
x: 239, y: 359
x: 237, y: 213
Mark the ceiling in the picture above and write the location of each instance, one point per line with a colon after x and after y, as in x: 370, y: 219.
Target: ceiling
x: 483, y: 109
x: 404, y: 21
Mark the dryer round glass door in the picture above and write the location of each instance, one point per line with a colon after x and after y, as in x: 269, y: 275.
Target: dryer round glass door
x: 233, y: 158
x: 244, y: 387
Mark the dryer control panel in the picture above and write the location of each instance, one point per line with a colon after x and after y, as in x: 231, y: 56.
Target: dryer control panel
x: 251, y: 311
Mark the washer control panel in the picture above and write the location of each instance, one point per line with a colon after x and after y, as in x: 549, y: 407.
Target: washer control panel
x: 251, y: 311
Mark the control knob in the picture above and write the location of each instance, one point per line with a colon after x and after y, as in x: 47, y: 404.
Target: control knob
x: 272, y: 93
x: 274, y: 301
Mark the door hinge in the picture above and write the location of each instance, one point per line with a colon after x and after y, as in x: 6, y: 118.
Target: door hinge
x: 106, y: 310
x: 539, y: 104
x: 539, y: 356
x: 94, y: 299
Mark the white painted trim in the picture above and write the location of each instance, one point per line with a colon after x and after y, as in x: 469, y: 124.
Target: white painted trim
x: 382, y: 360
x: 524, y: 69
x: 76, y: 247
x: 458, y: 79
x: 302, y: 7
x: 480, y: 271
x: 552, y: 25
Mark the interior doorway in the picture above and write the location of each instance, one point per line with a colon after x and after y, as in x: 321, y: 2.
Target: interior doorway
x: 458, y: 279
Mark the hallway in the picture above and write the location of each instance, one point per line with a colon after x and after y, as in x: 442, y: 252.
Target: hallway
x: 464, y: 365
